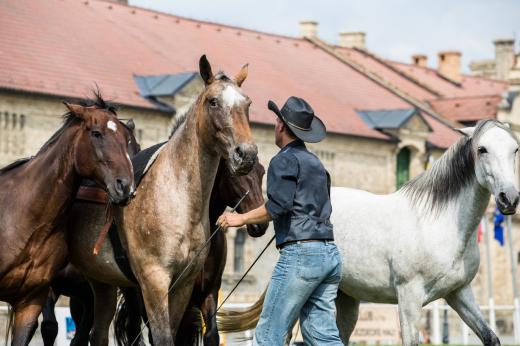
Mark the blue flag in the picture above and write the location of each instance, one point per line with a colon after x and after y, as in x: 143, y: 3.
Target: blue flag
x: 499, y: 230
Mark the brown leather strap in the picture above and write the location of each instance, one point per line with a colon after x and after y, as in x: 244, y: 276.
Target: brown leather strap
x: 92, y: 194
x: 104, y: 231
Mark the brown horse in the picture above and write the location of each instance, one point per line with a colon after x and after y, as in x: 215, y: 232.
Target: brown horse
x: 70, y: 282
x: 167, y: 221
x: 35, y: 195
x: 205, y: 292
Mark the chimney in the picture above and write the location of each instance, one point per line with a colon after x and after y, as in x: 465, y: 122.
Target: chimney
x: 420, y: 60
x: 352, y: 40
x: 449, y: 66
x: 308, y: 28
x: 504, y: 57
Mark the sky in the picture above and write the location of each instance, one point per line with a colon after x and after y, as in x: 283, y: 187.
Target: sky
x: 396, y: 29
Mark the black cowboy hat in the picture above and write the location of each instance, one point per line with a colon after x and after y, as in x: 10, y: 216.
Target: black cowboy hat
x: 298, y: 115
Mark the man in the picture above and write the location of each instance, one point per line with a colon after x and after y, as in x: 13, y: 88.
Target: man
x: 305, y: 280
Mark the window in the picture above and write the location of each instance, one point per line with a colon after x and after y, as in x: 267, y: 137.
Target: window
x: 240, y: 239
x: 403, y: 167
x: 12, y: 134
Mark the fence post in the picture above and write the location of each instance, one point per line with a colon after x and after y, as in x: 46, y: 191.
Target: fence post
x: 516, y: 311
x: 436, y: 324
x: 489, y: 267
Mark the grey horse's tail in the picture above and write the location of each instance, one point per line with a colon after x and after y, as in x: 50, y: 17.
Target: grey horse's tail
x: 239, y: 321
x: 9, y: 325
x: 127, y: 322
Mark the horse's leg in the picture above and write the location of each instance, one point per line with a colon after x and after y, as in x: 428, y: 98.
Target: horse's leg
x: 209, y: 309
x: 178, y: 300
x: 410, y: 297
x: 347, y: 311
x: 49, y: 327
x: 105, y: 301
x: 26, y: 318
x: 463, y: 301
x: 82, y: 311
x: 154, y: 282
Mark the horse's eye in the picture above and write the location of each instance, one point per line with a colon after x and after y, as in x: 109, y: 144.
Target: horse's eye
x: 482, y: 150
x: 96, y: 134
x: 516, y: 151
x: 213, y: 102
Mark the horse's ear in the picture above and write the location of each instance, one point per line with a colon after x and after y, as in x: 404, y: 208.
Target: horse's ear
x: 205, y: 70
x: 241, y: 75
x: 131, y: 125
x: 466, y: 131
x: 77, y: 110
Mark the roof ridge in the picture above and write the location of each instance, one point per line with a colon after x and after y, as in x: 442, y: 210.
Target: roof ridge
x: 201, y: 21
x: 382, y: 82
x: 465, y: 75
x: 401, y: 73
x: 466, y: 97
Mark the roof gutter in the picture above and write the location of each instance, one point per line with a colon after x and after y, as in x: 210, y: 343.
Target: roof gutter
x: 382, y: 82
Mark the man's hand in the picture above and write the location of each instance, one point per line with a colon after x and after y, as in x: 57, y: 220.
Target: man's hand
x: 231, y: 220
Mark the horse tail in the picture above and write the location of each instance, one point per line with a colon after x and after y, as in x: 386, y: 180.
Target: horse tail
x: 127, y: 322
x: 9, y: 324
x: 239, y: 321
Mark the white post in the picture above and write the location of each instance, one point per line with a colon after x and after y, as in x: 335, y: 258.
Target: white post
x: 489, y: 265
x: 516, y: 312
x: 436, y: 324
x: 465, y: 333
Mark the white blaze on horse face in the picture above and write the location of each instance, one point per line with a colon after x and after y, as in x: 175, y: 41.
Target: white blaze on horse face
x: 232, y: 96
x: 495, y: 168
x: 112, y: 125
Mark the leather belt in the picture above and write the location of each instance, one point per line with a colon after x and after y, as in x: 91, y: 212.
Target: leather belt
x: 281, y: 246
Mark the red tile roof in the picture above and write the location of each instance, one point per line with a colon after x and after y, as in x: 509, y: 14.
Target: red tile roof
x: 473, y: 99
x: 62, y: 47
x: 470, y: 108
x: 469, y: 86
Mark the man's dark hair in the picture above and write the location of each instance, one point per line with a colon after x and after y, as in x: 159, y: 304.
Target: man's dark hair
x: 289, y: 131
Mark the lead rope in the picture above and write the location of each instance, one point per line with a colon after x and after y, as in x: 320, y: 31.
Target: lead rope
x: 244, y: 275
x: 146, y: 323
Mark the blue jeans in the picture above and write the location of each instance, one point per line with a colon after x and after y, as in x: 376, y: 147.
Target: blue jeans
x: 304, y: 284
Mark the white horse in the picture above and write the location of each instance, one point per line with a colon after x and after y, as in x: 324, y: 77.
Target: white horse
x: 419, y: 244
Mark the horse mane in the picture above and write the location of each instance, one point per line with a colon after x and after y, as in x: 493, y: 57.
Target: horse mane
x: 68, y: 119
x: 181, y: 119
x: 451, y: 173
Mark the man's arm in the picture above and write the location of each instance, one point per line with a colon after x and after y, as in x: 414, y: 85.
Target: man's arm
x: 258, y: 215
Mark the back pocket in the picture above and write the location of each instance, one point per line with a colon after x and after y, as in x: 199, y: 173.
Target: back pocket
x: 311, y: 266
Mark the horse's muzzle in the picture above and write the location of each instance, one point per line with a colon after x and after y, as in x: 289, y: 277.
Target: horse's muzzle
x: 257, y: 230
x: 121, y: 191
x: 507, y: 201
x: 242, y: 158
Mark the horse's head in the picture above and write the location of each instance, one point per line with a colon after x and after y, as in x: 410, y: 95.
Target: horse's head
x: 101, y: 150
x: 224, y: 118
x: 494, y: 148
x: 231, y: 189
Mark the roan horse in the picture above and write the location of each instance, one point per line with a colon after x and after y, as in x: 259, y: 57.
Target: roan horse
x: 167, y: 221
x: 419, y: 244
x: 227, y: 191
x: 35, y: 196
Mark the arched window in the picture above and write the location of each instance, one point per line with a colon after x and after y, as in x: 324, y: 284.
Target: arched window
x: 403, y: 167
x: 240, y: 239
